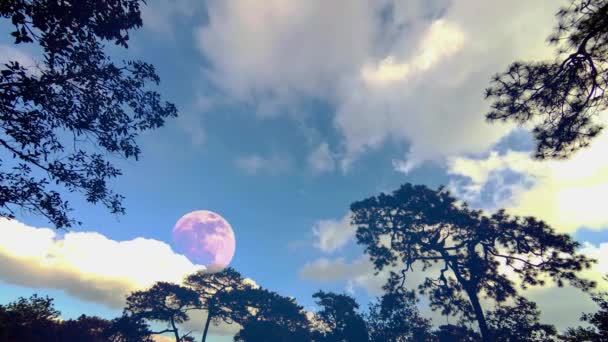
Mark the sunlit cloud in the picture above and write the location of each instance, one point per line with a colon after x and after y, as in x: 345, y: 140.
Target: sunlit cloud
x: 568, y: 194
x: 331, y: 235
x: 441, y: 40
x: 86, y: 265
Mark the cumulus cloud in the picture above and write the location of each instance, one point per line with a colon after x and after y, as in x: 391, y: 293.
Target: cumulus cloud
x: 10, y: 53
x: 86, y: 265
x: 410, y: 71
x: 568, y: 194
x: 331, y: 235
x: 355, y: 274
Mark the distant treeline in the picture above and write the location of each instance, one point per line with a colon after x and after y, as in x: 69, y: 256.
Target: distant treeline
x: 264, y: 315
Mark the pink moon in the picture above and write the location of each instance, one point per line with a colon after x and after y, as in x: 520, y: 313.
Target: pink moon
x: 206, y: 238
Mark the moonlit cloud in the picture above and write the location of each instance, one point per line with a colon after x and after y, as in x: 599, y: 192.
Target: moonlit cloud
x: 331, y: 235
x: 411, y: 72
x: 441, y: 40
x: 86, y: 265
x: 567, y: 194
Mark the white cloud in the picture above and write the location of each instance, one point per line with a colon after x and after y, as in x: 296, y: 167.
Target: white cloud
x: 10, y: 53
x: 331, y: 235
x: 401, y: 77
x: 160, y: 16
x: 321, y: 159
x: 356, y: 274
x: 255, y: 164
x: 86, y: 265
x: 567, y: 194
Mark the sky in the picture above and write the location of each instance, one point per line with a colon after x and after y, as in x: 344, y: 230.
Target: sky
x: 289, y: 111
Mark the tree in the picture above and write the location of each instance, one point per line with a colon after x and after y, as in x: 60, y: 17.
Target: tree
x: 29, y: 319
x: 456, y: 333
x: 598, y: 322
x: 519, y: 323
x: 561, y: 98
x: 266, y: 316
x: 163, y: 302
x: 395, y: 317
x: 128, y: 329
x: 209, y: 287
x: 84, y: 328
x: 62, y: 118
x: 340, y: 318
x: 268, y: 331
x: 419, y: 226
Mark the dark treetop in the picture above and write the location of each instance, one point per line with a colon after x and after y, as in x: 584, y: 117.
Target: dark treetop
x: 561, y: 98
x: 417, y: 227
x: 61, y: 118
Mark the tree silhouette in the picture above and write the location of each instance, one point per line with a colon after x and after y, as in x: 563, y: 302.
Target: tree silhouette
x: 84, y: 328
x: 419, y: 226
x: 456, y: 333
x: 267, y: 331
x: 29, y: 319
x: 395, y: 317
x: 340, y: 318
x: 598, y: 322
x: 128, y: 329
x: 164, y: 302
x: 561, y: 98
x: 209, y: 287
x: 62, y: 118
x: 265, y: 315
x: 519, y: 323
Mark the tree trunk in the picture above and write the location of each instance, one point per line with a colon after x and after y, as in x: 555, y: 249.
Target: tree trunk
x: 481, y: 318
x: 206, y: 326
x: 177, y: 339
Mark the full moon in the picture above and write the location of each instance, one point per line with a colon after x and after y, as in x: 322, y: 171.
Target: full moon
x: 206, y: 238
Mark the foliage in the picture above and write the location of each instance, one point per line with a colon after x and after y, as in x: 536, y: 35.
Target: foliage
x: 561, y: 98
x: 417, y: 226
x: 456, y: 333
x: 210, y: 287
x: 268, y: 331
x: 164, y: 302
x: 36, y: 319
x: 339, y: 317
x: 259, y: 310
x: 29, y: 319
x: 62, y: 118
x: 395, y: 317
x: 519, y: 323
x: 128, y: 329
x: 597, y: 329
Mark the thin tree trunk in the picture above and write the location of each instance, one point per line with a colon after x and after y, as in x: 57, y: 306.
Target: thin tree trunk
x: 177, y: 339
x: 206, y: 326
x: 481, y: 318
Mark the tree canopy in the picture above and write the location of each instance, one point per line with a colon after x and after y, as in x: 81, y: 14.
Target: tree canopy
x: 560, y: 98
x: 419, y: 227
x: 596, y: 329
x: 395, y: 317
x: 163, y: 302
x: 61, y: 118
x: 210, y: 287
x: 340, y: 318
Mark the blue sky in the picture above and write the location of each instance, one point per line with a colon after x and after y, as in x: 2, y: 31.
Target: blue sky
x: 290, y: 111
